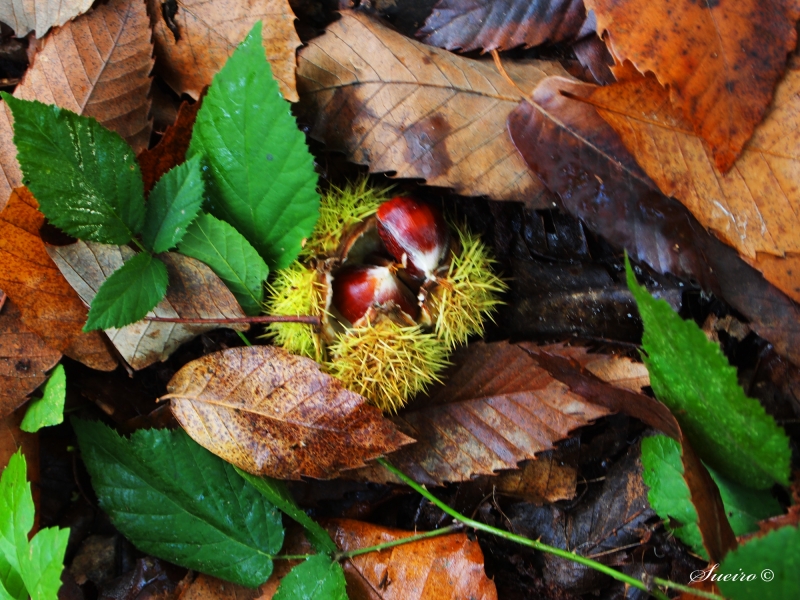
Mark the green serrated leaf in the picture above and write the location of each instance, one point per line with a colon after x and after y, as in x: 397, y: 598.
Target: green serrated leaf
x: 49, y: 409
x: 172, y: 205
x: 260, y: 176
x: 231, y: 257
x: 43, y: 562
x: 129, y: 293
x: 773, y: 560
x: 276, y: 492
x: 732, y: 433
x: 175, y: 500
x: 316, y: 578
x: 669, y: 495
x: 85, y: 177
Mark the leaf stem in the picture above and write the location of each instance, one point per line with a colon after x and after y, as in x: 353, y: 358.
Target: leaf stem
x: 536, y: 544
x: 406, y: 540
x: 139, y: 245
x: 307, y: 319
x: 244, y: 339
x: 687, y: 589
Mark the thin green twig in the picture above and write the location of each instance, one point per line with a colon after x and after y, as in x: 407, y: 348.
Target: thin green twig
x: 244, y: 338
x: 399, y: 542
x: 685, y: 588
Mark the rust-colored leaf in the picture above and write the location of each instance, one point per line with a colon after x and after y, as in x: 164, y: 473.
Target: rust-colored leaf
x: 99, y: 66
x: 502, y: 24
x: 24, y: 359
x: 202, y: 34
x: 721, y: 60
x: 12, y: 438
x: 24, y: 16
x: 581, y: 159
x: 397, y: 105
x: 194, y: 292
x: 439, y: 568
x: 755, y: 207
x: 273, y: 413
x: 48, y: 305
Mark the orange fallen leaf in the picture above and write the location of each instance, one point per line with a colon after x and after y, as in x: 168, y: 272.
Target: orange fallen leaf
x: 273, y: 413
x: 48, y: 305
x: 24, y: 16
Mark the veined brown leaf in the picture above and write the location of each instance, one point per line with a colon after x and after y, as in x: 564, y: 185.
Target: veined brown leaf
x: 273, y: 413
x: 24, y: 16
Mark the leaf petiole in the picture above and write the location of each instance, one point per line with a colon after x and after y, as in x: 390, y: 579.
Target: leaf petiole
x: 339, y: 556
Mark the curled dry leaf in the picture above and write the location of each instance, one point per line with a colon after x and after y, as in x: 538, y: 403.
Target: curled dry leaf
x: 202, y: 34
x: 273, y: 413
x: 171, y: 148
x: 24, y: 360
x: 98, y: 66
x: 439, y: 568
x: 397, y: 105
x: 48, y: 305
x: 24, y: 16
x: 194, y: 292
x: 502, y: 24
x: 721, y: 60
x: 754, y: 207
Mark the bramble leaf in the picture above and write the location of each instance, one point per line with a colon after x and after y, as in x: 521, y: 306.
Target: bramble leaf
x: 49, y: 409
x: 85, y: 177
x: 260, y: 176
x: 317, y: 578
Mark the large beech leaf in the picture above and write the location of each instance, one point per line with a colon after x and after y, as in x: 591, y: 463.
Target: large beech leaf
x: 177, y: 501
x: 194, y: 293
x: 273, y: 413
x: 755, y: 207
x: 397, y: 105
x: 207, y: 32
x: 98, y: 65
x: 502, y: 24
x: 712, y: 55
x: 580, y: 158
x: 261, y: 175
x: 24, y: 16
x: 48, y: 306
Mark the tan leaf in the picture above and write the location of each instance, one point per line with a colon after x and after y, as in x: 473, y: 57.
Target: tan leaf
x: 24, y: 359
x: 439, y: 568
x: 551, y: 476
x: 273, y: 413
x: 98, y: 66
x: 397, y: 105
x: 721, y: 60
x: 194, y: 292
x: 755, y: 207
x: 49, y: 306
x: 208, y: 32
x: 24, y: 16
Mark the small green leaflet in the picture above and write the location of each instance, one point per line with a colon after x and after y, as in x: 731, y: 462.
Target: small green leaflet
x: 175, y: 500
x: 231, y: 257
x: 316, y: 578
x: 260, y: 176
x: 172, y: 206
x: 732, y: 433
x: 129, y: 293
x: 49, y: 409
x: 26, y: 568
x: 669, y: 495
x: 85, y: 177
x: 774, y: 559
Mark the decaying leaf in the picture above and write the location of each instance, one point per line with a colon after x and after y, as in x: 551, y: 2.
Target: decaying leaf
x: 48, y: 305
x: 24, y: 16
x: 202, y: 34
x: 194, y: 292
x: 754, y: 207
x: 721, y: 60
x: 24, y: 359
x: 502, y: 24
x: 273, y: 413
x: 397, y: 105
x: 171, y: 148
x: 550, y: 477
x: 439, y: 568
x: 99, y: 66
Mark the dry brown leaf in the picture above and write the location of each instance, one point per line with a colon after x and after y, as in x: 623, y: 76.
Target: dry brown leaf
x: 208, y: 32
x: 439, y: 568
x: 550, y: 477
x: 194, y: 292
x: 24, y: 359
x: 171, y: 148
x: 98, y: 66
x: 397, y: 105
x: 755, y: 207
x: 24, y: 16
x: 721, y: 60
x: 273, y: 413
x: 49, y: 306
